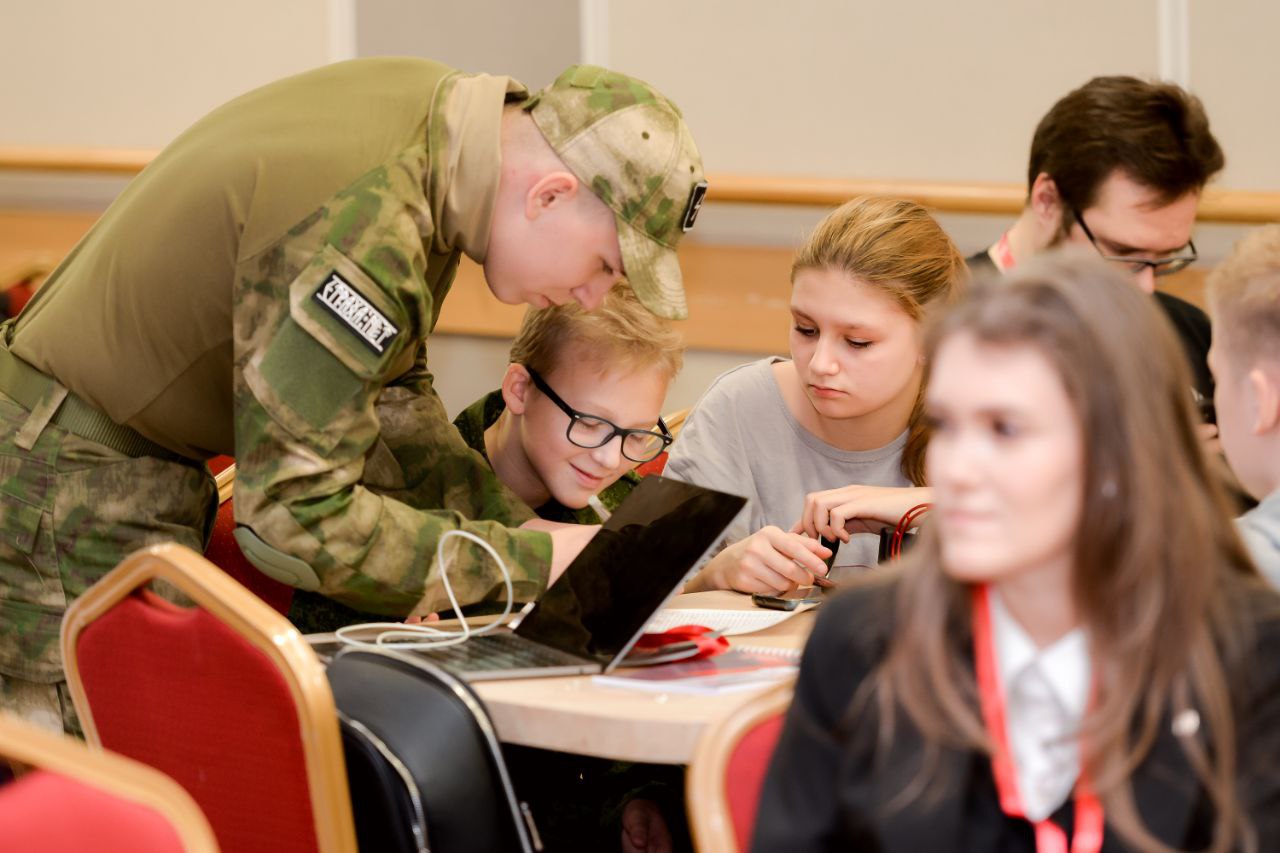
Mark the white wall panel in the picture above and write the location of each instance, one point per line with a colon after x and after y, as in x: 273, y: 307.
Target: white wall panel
x: 938, y: 90
x: 135, y: 73
x: 1235, y: 67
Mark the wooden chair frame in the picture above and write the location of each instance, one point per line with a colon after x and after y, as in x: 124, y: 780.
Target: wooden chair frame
x: 226, y: 483
x: 267, y: 631
x: 675, y: 420
x: 710, y: 817
x: 114, y: 774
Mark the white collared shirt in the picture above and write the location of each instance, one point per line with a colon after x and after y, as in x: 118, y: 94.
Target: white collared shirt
x: 1045, y: 692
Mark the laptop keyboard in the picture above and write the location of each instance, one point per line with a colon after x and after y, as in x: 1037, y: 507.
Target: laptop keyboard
x: 500, y: 651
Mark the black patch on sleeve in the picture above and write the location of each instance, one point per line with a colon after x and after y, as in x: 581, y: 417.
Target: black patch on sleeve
x: 373, y: 328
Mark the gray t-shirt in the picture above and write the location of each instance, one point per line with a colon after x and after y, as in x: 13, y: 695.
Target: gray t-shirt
x: 741, y: 438
x: 1260, y: 529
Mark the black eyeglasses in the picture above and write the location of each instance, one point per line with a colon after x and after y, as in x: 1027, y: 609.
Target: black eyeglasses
x: 1159, y: 266
x: 591, y: 431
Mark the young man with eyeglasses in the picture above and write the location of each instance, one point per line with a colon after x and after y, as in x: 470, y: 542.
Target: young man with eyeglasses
x: 578, y: 410
x: 560, y: 454
x: 579, y: 407
x: 1119, y: 164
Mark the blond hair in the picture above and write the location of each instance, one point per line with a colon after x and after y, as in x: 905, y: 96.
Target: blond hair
x: 897, y: 247
x: 1244, y: 295
x: 620, y: 333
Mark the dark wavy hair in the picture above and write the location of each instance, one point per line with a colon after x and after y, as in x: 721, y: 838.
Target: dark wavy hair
x: 1155, y: 133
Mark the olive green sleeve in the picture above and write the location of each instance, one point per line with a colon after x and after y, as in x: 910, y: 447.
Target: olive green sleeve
x: 346, y: 460
x: 367, y: 515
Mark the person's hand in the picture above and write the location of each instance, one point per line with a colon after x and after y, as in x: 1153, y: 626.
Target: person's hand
x: 567, y: 541
x: 769, y: 560
x: 644, y: 829
x: 418, y: 620
x: 838, y: 513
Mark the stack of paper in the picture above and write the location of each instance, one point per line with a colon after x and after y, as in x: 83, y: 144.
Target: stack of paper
x: 728, y: 622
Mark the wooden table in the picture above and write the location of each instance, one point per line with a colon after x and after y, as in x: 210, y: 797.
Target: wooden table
x: 573, y: 714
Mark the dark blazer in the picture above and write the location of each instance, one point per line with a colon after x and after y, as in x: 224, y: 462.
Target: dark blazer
x: 827, y: 789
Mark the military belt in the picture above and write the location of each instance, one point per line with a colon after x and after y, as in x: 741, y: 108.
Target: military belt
x: 27, y: 386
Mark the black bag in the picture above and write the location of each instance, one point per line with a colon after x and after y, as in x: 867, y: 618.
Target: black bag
x: 423, y: 759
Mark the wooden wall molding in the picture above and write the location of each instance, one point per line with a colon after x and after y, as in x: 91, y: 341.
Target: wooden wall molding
x: 1218, y: 205
x: 737, y: 294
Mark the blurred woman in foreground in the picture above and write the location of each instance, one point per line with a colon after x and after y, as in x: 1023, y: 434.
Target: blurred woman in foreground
x: 1080, y: 655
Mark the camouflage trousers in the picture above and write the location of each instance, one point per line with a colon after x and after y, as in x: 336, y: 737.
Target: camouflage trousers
x: 70, y: 511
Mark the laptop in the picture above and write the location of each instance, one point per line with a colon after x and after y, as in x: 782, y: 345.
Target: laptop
x: 588, y: 620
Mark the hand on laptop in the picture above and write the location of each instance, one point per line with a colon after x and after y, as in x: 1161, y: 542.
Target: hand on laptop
x: 837, y: 513
x: 567, y: 540
x: 769, y: 560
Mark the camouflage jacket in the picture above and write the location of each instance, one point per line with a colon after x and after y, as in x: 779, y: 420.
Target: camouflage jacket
x: 266, y: 288
x: 347, y: 460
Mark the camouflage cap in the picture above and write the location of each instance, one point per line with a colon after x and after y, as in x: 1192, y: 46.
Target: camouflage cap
x: 627, y: 142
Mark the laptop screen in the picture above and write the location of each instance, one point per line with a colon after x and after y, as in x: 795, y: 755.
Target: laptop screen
x: 630, y: 568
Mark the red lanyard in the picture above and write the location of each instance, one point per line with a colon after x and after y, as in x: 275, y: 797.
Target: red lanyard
x: 1049, y: 836
x: 1002, y: 254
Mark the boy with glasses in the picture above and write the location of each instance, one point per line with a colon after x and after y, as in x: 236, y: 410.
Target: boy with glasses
x: 568, y: 464
x: 1119, y: 164
x: 578, y: 410
x: 579, y: 407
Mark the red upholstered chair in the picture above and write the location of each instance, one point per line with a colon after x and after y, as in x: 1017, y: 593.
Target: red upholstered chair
x: 225, y: 697
x: 76, y: 799
x: 217, y: 465
x: 225, y: 553
x: 727, y: 772
x: 18, y: 283
x: 653, y: 466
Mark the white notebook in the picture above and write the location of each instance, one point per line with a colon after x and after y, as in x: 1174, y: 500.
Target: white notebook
x: 730, y: 623
x: 738, y: 668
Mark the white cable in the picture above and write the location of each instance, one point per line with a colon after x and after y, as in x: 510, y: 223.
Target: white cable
x: 401, y: 635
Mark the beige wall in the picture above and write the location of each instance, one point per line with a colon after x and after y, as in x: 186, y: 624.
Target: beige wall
x: 877, y: 89
x: 1234, y: 67
x: 134, y: 73
x: 531, y: 41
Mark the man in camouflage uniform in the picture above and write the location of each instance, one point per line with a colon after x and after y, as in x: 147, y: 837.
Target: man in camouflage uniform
x: 265, y: 288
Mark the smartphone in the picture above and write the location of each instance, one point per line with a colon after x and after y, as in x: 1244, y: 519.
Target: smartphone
x: 789, y: 600
x: 832, y: 545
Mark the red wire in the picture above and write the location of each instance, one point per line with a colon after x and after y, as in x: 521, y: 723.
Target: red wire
x: 908, y: 520
x: 913, y: 514
x: 904, y: 524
